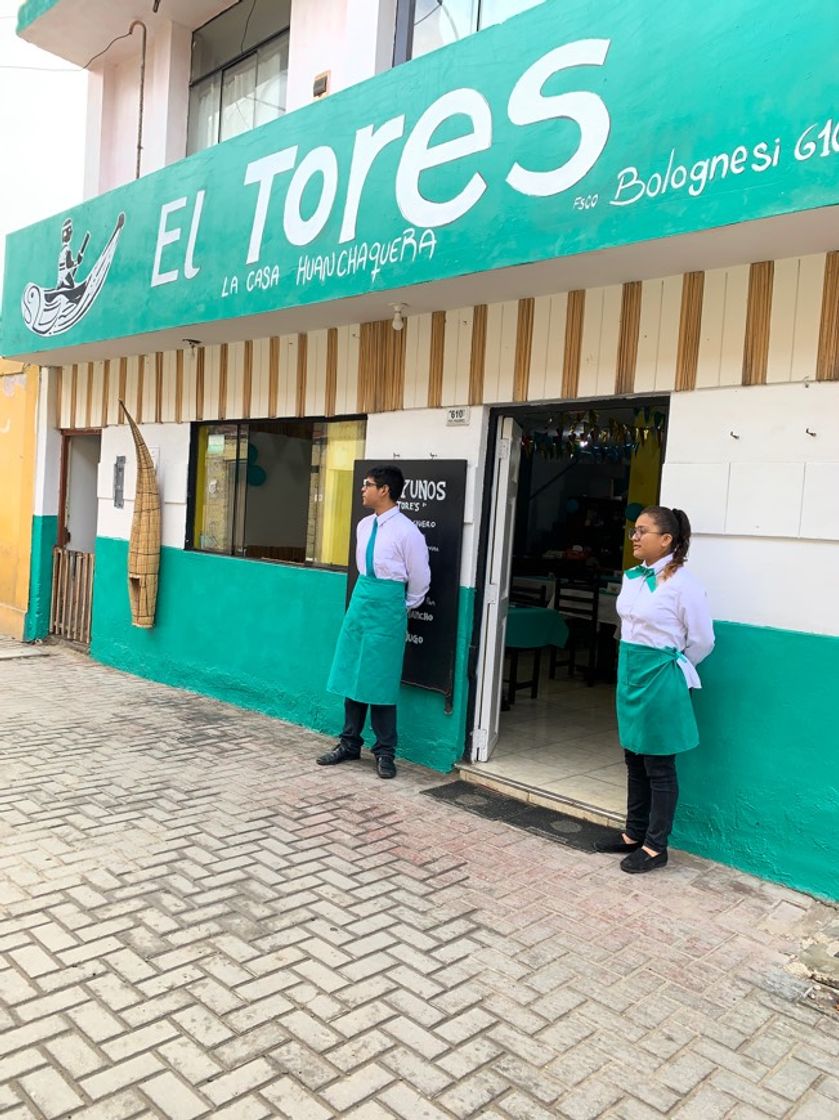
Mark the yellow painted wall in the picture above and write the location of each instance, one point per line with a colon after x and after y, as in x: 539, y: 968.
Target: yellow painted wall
x: 644, y: 482
x: 18, y: 406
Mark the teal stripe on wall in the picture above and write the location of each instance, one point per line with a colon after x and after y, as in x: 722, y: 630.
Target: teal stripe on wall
x: 259, y: 635
x: 762, y: 790
x: 44, y: 536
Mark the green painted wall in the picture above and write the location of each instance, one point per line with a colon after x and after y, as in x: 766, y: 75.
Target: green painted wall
x: 44, y: 536
x: 762, y: 790
x: 31, y: 11
x: 259, y: 635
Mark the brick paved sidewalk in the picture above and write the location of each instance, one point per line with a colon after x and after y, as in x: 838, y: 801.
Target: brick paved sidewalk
x: 197, y: 921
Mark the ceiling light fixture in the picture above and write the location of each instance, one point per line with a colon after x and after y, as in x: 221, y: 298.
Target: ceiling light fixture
x: 398, y: 317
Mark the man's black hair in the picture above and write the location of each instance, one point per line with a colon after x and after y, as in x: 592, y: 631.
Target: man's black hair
x: 389, y: 476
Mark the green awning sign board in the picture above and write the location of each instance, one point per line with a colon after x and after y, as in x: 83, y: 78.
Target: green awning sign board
x: 570, y: 128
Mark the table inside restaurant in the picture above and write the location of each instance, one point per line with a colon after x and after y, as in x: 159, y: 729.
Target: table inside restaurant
x: 535, y: 628
x: 607, y: 614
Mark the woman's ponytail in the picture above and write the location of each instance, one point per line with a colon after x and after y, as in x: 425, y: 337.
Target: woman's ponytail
x: 674, y: 522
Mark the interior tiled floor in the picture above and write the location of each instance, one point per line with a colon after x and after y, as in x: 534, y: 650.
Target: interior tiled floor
x: 565, y: 742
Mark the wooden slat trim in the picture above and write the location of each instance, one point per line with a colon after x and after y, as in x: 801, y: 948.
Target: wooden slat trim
x: 200, y: 358
x: 302, y: 353
x: 365, y: 368
x: 223, y: 360
x: 758, y: 318
x: 574, y: 319
x: 372, y: 366
x: 106, y: 387
x: 478, y: 355
x: 628, y: 335
x: 158, y: 387
x: 524, y: 347
x: 827, y: 360
x: 690, y: 330
x: 393, y: 374
x: 273, y: 375
x: 247, y: 381
x: 88, y: 404
x: 179, y: 386
x: 437, y: 352
x: 141, y: 379
x: 74, y: 389
x: 331, y: 389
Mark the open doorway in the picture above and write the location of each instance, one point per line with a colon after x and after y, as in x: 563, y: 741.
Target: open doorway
x: 568, y: 483
x: 71, y: 605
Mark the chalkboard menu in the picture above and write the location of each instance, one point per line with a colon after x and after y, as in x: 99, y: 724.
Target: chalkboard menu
x: 434, y: 496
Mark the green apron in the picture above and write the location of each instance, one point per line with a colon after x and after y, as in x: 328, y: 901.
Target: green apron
x: 367, y: 665
x: 655, y: 712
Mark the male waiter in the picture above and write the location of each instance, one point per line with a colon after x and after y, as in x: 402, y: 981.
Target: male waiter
x: 394, y: 577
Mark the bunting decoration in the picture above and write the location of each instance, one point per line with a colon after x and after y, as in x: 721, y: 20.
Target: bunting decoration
x: 578, y: 435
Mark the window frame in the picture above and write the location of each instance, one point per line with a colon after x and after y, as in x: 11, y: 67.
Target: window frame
x: 219, y: 72
x: 192, y: 487
x: 403, y: 38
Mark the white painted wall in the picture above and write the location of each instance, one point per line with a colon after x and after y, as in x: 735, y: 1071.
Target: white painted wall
x: 763, y: 497
x: 421, y: 434
x: 114, y: 116
x: 352, y: 39
x: 42, y: 121
x: 48, y: 449
x: 169, y: 446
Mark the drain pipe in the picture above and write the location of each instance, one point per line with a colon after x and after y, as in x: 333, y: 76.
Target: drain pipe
x: 139, y: 23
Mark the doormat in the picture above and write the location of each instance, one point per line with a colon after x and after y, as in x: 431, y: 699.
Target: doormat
x: 559, y: 827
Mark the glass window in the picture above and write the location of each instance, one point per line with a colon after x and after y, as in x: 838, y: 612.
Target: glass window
x: 276, y: 489
x: 239, y: 71
x: 271, y: 81
x: 494, y: 11
x: 436, y: 24
x: 439, y: 22
x: 218, y: 489
x: 238, y: 89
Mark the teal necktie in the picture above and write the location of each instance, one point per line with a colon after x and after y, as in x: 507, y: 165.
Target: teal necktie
x: 649, y: 574
x: 371, y: 544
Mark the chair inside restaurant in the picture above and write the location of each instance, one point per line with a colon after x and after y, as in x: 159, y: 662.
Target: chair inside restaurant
x: 584, y: 477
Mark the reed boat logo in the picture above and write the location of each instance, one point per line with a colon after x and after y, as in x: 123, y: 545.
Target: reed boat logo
x: 51, y: 311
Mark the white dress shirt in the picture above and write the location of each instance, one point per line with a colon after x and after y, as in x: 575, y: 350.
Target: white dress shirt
x: 674, y: 616
x: 400, y: 553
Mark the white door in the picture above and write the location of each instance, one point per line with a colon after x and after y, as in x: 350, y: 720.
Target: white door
x: 496, y: 590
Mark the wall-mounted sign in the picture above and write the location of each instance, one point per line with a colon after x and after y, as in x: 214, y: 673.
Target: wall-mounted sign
x: 458, y: 417
x: 592, y: 133
x: 434, y: 497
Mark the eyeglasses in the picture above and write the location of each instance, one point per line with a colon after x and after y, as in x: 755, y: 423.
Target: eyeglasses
x: 633, y: 533
x: 367, y: 485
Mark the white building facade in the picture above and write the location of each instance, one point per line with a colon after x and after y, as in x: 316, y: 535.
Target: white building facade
x: 618, y: 283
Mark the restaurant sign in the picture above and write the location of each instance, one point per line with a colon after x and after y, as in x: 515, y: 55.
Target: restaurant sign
x: 570, y: 128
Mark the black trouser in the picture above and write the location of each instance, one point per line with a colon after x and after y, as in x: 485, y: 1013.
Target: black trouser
x: 382, y: 719
x: 652, y: 790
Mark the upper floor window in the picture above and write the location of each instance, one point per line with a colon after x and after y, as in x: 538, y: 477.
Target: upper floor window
x: 239, y: 71
x: 428, y: 24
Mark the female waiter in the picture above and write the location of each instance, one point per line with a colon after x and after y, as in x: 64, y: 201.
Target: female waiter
x: 666, y: 630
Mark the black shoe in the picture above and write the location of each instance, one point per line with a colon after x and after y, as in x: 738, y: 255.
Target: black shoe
x: 385, y: 766
x: 639, y: 862
x: 342, y: 753
x: 617, y: 847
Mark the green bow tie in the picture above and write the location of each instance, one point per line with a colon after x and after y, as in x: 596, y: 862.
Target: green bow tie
x: 649, y: 574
